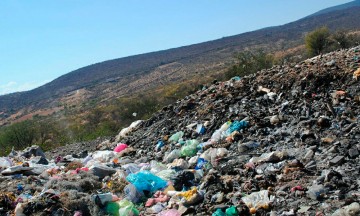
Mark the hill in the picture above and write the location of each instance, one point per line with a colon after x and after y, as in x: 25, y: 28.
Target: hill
x: 282, y: 141
x: 111, y: 79
x: 355, y: 3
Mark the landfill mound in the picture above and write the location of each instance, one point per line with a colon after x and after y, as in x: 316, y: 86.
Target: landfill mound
x: 283, y: 141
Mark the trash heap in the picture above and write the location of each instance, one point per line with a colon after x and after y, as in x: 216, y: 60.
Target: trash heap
x: 283, y: 141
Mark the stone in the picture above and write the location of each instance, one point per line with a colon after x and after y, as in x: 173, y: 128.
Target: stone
x: 337, y: 160
x: 353, y: 152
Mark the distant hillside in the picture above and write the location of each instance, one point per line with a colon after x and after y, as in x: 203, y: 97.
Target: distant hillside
x: 355, y: 3
x: 110, y: 79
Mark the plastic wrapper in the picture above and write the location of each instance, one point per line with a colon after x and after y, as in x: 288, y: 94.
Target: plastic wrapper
x: 146, y: 181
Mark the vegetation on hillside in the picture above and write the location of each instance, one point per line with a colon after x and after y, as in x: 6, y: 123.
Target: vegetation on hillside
x: 94, y: 119
x: 321, y: 40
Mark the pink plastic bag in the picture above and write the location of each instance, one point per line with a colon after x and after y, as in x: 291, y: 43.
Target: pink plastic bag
x: 170, y: 212
x: 120, y: 147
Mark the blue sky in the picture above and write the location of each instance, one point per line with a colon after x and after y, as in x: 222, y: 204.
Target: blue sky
x: 41, y: 40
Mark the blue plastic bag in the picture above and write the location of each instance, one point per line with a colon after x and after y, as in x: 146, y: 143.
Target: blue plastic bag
x: 237, y: 125
x: 200, y: 163
x: 146, y: 181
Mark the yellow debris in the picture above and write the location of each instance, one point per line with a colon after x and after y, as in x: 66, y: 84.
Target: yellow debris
x: 188, y: 194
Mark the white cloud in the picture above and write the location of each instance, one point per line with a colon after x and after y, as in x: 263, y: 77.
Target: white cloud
x: 12, y: 86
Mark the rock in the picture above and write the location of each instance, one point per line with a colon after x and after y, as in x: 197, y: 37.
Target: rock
x: 102, y: 171
x: 337, y: 160
x: 353, y: 152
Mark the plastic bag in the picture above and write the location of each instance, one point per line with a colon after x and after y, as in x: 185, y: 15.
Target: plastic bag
x: 237, y: 126
x: 172, y: 156
x: 103, y: 156
x: 200, y: 129
x: 212, y: 154
x: 5, y: 162
x: 132, y: 194
x: 124, y: 132
x: 131, y: 168
x: 156, y: 167
x: 175, y: 137
x: 258, y: 200
x: 189, y: 149
x: 170, y: 212
x: 120, y: 147
x: 200, y: 163
x: 166, y: 174
x: 183, y: 179
x: 112, y: 208
x: 193, y: 160
x: 146, y: 181
x: 218, y: 212
x: 231, y: 211
x: 178, y: 163
x: 127, y: 208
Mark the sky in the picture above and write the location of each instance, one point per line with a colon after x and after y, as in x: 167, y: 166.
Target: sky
x: 41, y: 40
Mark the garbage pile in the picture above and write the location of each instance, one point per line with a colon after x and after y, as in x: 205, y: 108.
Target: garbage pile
x: 283, y: 141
